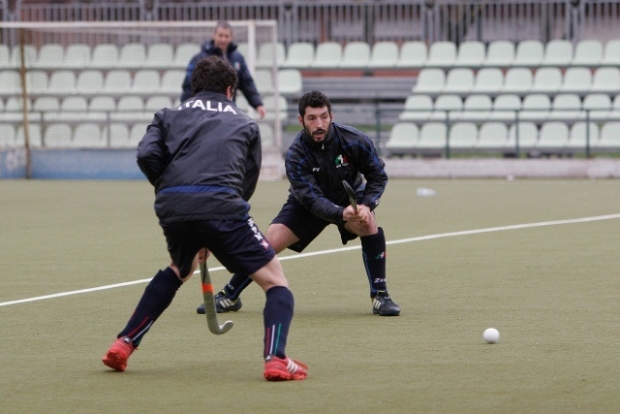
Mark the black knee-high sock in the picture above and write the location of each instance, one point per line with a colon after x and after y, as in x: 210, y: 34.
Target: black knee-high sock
x: 156, y: 298
x: 277, y: 317
x: 236, y: 284
x: 373, y: 252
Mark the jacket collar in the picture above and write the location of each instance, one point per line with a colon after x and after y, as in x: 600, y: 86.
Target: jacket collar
x: 308, y: 139
x: 209, y: 47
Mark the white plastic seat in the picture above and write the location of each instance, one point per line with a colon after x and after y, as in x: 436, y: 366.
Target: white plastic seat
x: 615, y: 109
x: 501, y: 53
x: 290, y: 82
x: 159, y: 55
x: 517, y: 81
x: 505, y: 108
x: 30, y: 56
x: 132, y: 56
x: 527, y: 134
x: 35, y: 136
x: 588, y: 53
x: 242, y: 103
x: 355, y: 55
x: 535, y: 108
x: 5, y: 56
x: 117, y: 82
x: 7, y: 136
x: 130, y: 108
x: 184, y: 53
x: 145, y: 81
x: 90, y: 82
x: 430, y: 81
x: 62, y: 82
x: 36, y: 81
x: 72, y: 109
x: 328, y: 55
x: 558, y: 53
x: 77, y: 56
x: 104, y: 56
x: 477, y: 108
x: 13, y: 110
x: 488, y: 81
x: 492, y: 135
x: 597, y: 106
x: 57, y: 135
x: 529, y: 53
x: 459, y: 81
x: 265, y: 58
x: 610, y: 136
x: 576, y: 80
x: 172, y: 81
x: 433, y: 135
x: 470, y: 54
x: 447, y: 106
x: 547, y: 80
x: 242, y: 47
x: 102, y: 104
x: 606, y: 80
x: 580, y: 136
x: 264, y: 81
x: 157, y: 102
x: 116, y: 135
x: 553, y: 136
x: 383, y: 55
x: 300, y: 55
x: 566, y: 107
x: 10, y: 82
x: 136, y: 133
x: 417, y: 108
x: 88, y: 135
x: 463, y: 135
x: 51, y: 55
x: 611, y: 56
x: 441, y: 54
x: 46, y: 104
x: 269, y: 102
x: 413, y: 54
x: 403, y: 139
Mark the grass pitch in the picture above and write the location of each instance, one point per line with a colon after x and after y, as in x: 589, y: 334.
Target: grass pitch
x: 552, y: 291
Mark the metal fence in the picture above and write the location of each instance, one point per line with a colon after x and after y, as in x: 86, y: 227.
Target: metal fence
x: 361, y: 20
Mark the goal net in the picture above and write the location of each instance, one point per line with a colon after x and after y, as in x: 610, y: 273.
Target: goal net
x: 96, y: 85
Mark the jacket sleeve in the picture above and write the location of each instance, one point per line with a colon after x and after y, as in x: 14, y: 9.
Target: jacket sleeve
x: 253, y: 165
x: 373, y: 169
x: 246, y: 84
x: 305, y: 188
x: 152, y: 154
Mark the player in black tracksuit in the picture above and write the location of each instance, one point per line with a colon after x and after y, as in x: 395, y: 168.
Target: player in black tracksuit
x: 204, y: 158
x: 320, y: 157
x: 222, y: 45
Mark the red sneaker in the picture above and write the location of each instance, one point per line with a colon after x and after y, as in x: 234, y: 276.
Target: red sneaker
x: 278, y: 369
x: 118, y: 354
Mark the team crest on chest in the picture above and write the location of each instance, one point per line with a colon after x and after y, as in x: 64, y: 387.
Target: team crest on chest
x: 341, y: 161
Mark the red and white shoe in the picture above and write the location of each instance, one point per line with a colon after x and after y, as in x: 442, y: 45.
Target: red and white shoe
x: 118, y: 354
x: 284, y: 369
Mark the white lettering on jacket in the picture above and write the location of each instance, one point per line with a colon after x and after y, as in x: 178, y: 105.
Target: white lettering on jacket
x: 207, y: 106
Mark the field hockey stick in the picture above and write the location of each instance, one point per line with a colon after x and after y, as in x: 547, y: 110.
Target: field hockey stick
x: 351, y: 193
x: 207, y: 294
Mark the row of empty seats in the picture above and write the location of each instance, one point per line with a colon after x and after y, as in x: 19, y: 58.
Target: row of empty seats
x: 92, y: 82
x: 511, y: 108
x: 551, y: 80
x: 552, y: 138
x: 328, y: 55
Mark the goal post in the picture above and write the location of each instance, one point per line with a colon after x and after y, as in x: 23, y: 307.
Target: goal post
x: 97, y: 84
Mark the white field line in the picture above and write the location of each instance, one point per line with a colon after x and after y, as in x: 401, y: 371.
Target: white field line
x: 342, y: 249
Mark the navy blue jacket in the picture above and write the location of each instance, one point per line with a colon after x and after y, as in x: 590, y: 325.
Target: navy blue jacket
x: 203, y: 158
x: 316, y: 170
x: 245, y: 83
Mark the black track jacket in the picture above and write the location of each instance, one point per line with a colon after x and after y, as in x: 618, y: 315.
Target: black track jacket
x: 316, y: 171
x: 203, y: 158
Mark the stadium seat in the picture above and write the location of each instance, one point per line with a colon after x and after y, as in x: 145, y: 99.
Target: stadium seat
x: 597, y: 107
x: 36, y: 81
x: 611, y: 56
x: 172, y: 81
x: 492, y: 136
x: 88, y: 135
x: 383, y: 55
x: 402, y: 140
x: 529, y: 53
x: 290, y: 82
x: 355, y: 55
x: 5, y: 56
x: 269, y: 102
x: 413, y: 54
x: 441, y: 54
x: 580, y: 136
x: 328, y: 55
x: 159, y: 55
x: 7, y: 136
x: 501, y: 53
x: 517, y: 81
x: 267, y: 135
x: 610, y: 136
x: 558, y: 53
x: 433, y: 136
x: 535, y: 108
x: 51, y: 55
x: 30, y: 56
x: 588, y: 53
x: 615, y: 109
x: 470, y: 54
x: 145, y: 82
x: 488, y: 81
x: 102, y: 104
x: 242, y: 47
x: 62, y: 82
x: 13, y: 110
x: 566, y: 107
x: 77, y: 56
x: 104, y: 56
x: 553, y: 137
x: 242, y: 103
x: 448, y: 107
x: 547, y: 80
x: 184, y: 53
x: 606, y: 80
x: 136, y: 133
x: 300, y: 55
x: 130, y: 108
x: 10, y: 82
x: 430, y: 81
x: 459, y: 81
x: 46, y: 104
x: 576, y: 80
x: 34, y: 135
x: 117, y: 82
x: 477, y: 108
x: 132, y: 56
x: 264, y: 81
x: 116, y: 135
x: 463, y: 135
x: 72, y: 109
x: 417, y: 108
x: 527, y: 134
x: 57, y: 135
x: 265, y: 58
x: 90, y: 82
x: 156, y: 103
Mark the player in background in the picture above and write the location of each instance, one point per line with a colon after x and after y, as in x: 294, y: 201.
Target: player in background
x: 204, y: 159
x: 322, y: 155
x: 222, y: 45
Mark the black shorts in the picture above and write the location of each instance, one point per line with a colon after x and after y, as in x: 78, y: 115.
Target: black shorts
x: 305, y: 225
x: 238, y: 245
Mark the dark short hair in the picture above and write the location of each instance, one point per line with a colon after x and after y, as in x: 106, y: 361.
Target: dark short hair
x: 313, y: 99
x: 223, y: 24
x: 213, y: 74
